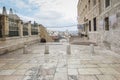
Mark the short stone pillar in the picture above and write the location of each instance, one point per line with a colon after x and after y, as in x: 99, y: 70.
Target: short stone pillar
x: 92, y: 49
x: 68, y: 49
x: 25, y: 49
x: 46, y: 49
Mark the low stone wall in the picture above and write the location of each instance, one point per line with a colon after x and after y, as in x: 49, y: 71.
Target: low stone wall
x: 12, y: 44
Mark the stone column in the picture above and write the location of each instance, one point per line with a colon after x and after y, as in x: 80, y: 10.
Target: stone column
x: 68, y: 49
x: 46, y: 49
x: 39, y: 30
x: 5, y: 27
x: 29, y: 28
x: 20, y: 25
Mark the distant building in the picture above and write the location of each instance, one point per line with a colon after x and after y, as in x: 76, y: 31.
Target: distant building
x: 101, y: 21
x: 54, y: 35
x: 45, y: 34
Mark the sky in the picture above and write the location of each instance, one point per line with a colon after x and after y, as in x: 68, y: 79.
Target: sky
x: 50, y: 13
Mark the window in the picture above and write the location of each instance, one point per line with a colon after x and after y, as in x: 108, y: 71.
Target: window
x: 89, y: 4
x: 34, y: 29
x: 13, y: 28
x: 94, y: 24
x: 107, y: 3
x: 94, y: 2
x: 107, y: 23
x: 25, y: 30
x: 89, y: 25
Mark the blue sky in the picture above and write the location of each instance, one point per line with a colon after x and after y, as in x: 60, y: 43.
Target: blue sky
x: 47, y: 12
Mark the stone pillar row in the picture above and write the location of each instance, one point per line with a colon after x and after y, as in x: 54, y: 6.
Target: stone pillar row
x: 5, y: 27
x: 29, y: 28
x: 20, y: 26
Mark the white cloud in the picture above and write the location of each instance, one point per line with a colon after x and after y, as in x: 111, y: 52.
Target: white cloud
x: 73, y: 28
x: 20, y: 4
x: 1, y: 1
x: 66, y: 8
x: 48, y: 12
x: 26, y: 18
x: 48, y: 15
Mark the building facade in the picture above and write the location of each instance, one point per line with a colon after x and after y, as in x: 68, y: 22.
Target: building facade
x: 14, y: 33
x: 88, y: 12
x: 101, y: 21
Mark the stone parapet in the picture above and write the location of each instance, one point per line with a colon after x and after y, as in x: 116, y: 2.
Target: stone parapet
x: 14, y: 43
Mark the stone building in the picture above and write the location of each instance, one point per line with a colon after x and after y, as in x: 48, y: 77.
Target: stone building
x: 14, y: 33
x: 44, y: 34
x: 101, y: 21
x: 88, y: 12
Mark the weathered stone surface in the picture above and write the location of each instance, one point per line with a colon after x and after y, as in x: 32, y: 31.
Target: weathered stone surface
x: 7, y: 72
x: 79, y: 65
x: 89, y: 71
x: 108, y: 71
x: 106, y: 77
x: 96, y: 29
x: 87, y: 77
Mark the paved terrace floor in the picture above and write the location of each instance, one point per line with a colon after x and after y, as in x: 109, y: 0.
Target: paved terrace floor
x: 58, y: 65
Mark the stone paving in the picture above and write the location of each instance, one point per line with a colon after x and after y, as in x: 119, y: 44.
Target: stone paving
x: 58, y: 65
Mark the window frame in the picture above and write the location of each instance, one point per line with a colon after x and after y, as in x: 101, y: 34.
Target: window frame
x: 25, y: 30
x: 106, y: 7
x: 13, y: 28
